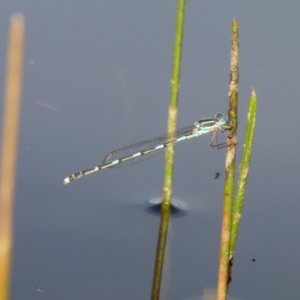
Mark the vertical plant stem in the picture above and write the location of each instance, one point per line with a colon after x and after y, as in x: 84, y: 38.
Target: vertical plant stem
x: 244, y: 171
x: 229, y: 165
x: 9, y: 148
x: 169, y: 161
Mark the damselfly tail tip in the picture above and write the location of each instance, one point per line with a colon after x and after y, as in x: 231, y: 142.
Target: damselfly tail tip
x: 66, y: 181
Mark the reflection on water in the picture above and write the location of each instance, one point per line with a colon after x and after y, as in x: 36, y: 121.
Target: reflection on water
x: 210, y: 294
x: 178, y: 208
x: 39, y: 290
x: 188, y: 205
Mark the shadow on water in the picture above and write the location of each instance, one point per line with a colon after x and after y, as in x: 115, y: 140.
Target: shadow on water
x: 188, y: 207
x: 153, y: 207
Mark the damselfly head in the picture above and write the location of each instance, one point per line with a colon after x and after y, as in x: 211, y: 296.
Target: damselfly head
x: 221, y: 119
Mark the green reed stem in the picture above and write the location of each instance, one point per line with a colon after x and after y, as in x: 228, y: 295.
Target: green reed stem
x: 244, y: 171
x: 169, y: 161
x: 229, y: 164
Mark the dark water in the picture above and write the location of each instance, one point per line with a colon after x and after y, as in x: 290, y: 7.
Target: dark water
x: 97, y: 78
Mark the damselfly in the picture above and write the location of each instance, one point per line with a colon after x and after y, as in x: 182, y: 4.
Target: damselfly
x: 137, y: 152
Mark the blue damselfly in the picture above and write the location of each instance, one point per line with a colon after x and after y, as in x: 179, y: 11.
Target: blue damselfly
x: 137, y: 152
